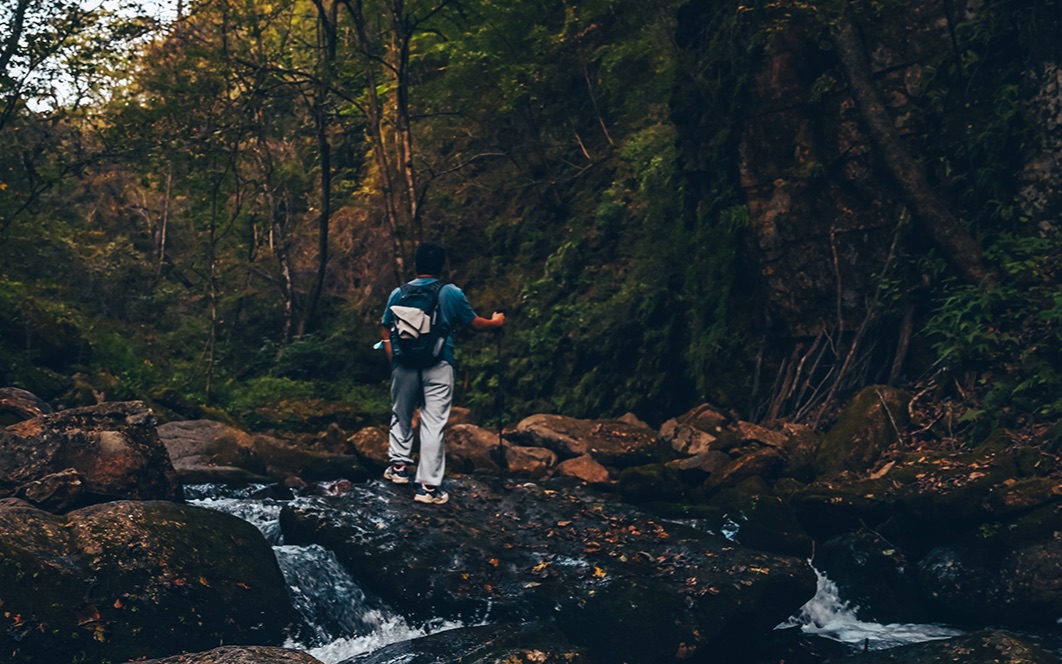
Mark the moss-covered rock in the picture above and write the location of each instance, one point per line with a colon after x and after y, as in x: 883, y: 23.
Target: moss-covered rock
x: 1004, y: 573
x: 874, y: 420
x: 651, y: 483
x: 128, y: 579
x: 762, y: 520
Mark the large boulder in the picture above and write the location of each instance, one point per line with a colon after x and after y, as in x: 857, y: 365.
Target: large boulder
x: 1003, y: 573
x: 874, y: 420
x: 612, y: 442
x: 206, y: 451
x: 128, y: 579
x: 557, y: 554
x: 85, y: 455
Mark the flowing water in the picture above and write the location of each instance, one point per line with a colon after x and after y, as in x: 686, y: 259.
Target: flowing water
x: 828, y: 615
x: 343, y: 620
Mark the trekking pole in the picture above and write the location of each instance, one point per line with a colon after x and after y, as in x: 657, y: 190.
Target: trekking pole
x: 499, y: 405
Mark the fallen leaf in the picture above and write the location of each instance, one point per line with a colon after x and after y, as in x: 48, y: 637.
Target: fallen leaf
x: 599, y: 573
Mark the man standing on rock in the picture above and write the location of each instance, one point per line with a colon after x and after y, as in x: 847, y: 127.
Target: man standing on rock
x: 415, y: 331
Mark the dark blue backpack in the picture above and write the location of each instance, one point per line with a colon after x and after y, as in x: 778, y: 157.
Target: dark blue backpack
x: 424, y: 350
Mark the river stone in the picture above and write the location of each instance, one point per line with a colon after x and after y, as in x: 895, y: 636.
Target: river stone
x: 470, y: 448
x: 698, y: 468
x: 1006, y: 573
x: 685, y: 439
x: 529, y: 643
x: 129, y: 579
x: 762, y: 520
x: 562, y: 554
x: 113, y: 449
x: 529, y: 462
x: 875, y: 419
x: 612, y: 442
x: 239, y: 655
x: 584, y: 468
x: 654, y: 482
x: 763, y: 462
x: 984, y: 647
x: 371, y: 444
x: 17, y: 405
x: 828, y: 508
x: 205, y: 451
x: 875, y: 576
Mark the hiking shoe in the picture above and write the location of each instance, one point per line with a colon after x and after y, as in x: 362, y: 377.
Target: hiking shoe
x: 431, y: 495
x: 397, y: 473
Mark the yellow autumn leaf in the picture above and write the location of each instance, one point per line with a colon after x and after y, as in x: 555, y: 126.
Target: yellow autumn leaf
x: 599, y: 573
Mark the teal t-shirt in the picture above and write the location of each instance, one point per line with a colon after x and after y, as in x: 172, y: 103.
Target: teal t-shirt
x: 454, y: 310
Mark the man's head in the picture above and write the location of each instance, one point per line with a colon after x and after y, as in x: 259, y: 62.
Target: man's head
x: 430, y: 259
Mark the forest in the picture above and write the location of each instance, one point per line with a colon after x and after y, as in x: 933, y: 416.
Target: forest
x: 761, y: 204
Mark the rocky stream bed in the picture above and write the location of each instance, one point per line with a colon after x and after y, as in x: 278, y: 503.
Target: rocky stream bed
x: 707, y: 540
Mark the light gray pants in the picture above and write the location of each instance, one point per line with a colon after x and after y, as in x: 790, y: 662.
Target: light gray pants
x: 433, y: 390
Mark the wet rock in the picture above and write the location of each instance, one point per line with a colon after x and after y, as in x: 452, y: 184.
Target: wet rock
x: 1007, y: 573
x: 985, y: 647
x: 586, y: 469
x: 113, y: 448
x: 874, y: 419
x: 876, y: 576
x: 130, y: 579
x: 650, y: 483
x: 829, y: 508
x: 239, y: 655
x: 762, y: 520
x: 205, y: 451
x: 612, y: 442
x: 530, y: 643
x: 17, y: 405
x: 529, y: 462
x: 555, y: 554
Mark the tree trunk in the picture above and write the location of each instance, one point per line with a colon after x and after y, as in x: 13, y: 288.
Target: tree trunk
x: 959, y: 248
x: 327, y: 55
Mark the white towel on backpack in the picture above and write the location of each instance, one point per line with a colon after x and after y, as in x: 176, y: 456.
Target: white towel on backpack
x: 411, y: 322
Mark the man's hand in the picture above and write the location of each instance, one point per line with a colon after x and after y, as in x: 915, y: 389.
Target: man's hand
x: 495, y: 322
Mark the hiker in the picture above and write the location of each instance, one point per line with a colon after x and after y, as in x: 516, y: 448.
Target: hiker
x: 416, y: 333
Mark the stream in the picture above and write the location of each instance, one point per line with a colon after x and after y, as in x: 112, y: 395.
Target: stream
x: 344, y: 620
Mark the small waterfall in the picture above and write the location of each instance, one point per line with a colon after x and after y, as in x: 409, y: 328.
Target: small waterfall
x: 343, y: 620
x: 828, y: 615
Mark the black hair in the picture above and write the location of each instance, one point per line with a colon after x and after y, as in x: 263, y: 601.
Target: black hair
x: 430, y: 259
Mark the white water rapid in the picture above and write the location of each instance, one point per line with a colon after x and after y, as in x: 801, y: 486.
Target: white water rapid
x: 343, y: 620
x: 828, y: 615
